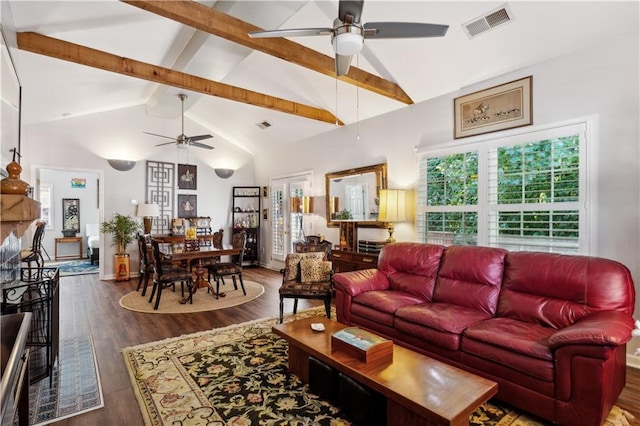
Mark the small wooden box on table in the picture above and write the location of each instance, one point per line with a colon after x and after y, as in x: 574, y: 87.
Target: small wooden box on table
x: 361, y: 344
x: 419, y: 390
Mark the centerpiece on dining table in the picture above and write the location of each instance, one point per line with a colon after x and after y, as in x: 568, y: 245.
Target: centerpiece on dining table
x: 191, y: 242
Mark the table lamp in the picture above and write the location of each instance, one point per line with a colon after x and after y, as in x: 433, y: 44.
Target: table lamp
x: 148, y: 212
x: 393, y: 206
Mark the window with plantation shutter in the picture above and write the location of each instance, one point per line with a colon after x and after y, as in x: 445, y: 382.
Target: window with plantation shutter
x: 525, y: 192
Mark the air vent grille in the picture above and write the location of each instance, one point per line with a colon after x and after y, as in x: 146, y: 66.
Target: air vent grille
x: 264, y: 125
x: 489, y: 21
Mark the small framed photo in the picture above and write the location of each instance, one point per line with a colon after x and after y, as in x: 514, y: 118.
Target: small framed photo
x: 265, y: 191
x: 187, y: 205
x: 187, y: 176
x: 497, y: 108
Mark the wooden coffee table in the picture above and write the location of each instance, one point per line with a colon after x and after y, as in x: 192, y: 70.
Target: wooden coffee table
x: 418, y: 389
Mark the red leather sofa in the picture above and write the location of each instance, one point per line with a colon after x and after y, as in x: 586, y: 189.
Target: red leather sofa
x: 550, y: 329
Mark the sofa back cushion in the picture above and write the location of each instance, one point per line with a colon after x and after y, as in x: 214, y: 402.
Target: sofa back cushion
x: 411, y: 267
x: 556, y: 290
x: 470, y: 276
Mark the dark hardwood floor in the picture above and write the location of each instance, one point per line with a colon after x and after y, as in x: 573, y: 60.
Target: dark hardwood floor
x: 90, y: 306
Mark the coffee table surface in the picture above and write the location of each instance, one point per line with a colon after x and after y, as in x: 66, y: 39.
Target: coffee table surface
x: 428, y: 387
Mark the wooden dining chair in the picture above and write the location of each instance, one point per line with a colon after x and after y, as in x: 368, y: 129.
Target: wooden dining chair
x: 33, y: 255
x: 146, y: 265
x: 231, y: 269
x: 167, y: 276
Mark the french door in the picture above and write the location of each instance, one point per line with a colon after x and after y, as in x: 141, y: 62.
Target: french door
x: 286, y: 225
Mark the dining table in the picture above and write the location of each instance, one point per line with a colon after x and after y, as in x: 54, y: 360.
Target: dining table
x: 173, y: 254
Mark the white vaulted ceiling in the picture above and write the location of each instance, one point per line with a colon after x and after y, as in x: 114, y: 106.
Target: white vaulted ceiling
x: 54, y: 89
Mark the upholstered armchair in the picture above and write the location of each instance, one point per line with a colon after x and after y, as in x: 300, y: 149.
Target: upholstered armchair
x: 307, y: 276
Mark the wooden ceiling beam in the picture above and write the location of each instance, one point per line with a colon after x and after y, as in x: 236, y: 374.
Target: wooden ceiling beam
x: 60, y: 49
x: 210, y: 20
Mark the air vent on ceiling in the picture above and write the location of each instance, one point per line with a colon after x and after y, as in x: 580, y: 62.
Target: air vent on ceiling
x: 488, y: 21
x: 264, y: 125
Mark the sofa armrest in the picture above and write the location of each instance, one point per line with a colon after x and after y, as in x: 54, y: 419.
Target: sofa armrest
x: 609, y: 328
x: 355, y: 282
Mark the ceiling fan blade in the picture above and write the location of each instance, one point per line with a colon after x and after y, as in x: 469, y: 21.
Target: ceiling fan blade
x: 162, y: 136
x: 200, y: 145
x: 294, y: 32
x: 198, y: 138
x: 166, y: 143
x: 350, y: 7
x: 342, y: 64
x: 403, y: 30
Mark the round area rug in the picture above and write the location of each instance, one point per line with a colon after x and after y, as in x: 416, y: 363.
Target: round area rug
x: 202, y: 300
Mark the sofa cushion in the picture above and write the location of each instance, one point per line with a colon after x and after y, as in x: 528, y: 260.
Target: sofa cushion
x: 411, y: 267
x: 420, y: 320
x: 557, y: 290
x: 470, y: 277
x: 386, y: 301
x: 516, y: 344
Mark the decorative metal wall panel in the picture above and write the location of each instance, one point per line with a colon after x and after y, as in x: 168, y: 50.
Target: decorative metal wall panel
x: 161, y: 191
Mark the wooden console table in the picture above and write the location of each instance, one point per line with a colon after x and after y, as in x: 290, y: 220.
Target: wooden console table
x: 345, y: 261
x: 64, y: 240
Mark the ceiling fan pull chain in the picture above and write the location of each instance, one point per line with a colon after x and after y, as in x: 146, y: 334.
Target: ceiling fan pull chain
x: 337, y: 101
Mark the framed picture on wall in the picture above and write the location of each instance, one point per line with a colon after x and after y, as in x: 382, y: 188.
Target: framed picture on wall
x: 71, y: 215
x: 187, y: 176
x: 497, y: 108
x: 187, y: 205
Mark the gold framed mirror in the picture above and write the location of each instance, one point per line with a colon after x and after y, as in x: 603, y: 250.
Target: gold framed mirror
x: 354, y: 195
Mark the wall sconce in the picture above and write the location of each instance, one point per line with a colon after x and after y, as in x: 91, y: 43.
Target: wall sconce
x: 224, y: 173
x: 393, y: 208
x: 122, y: 165
x: 148, y: 212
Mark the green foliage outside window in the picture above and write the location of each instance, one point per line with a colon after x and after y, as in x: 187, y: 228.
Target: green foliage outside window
x: 540, y: 172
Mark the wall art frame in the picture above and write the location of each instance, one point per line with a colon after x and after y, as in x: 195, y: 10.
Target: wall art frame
x: 187, y: 205
x: 501, y: 107
x: 187, y: 176
x: 71, y: 214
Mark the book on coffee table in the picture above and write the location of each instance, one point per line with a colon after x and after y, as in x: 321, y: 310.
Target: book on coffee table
x: 362, y: 344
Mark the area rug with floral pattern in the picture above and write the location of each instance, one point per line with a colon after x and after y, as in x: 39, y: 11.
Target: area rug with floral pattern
x: 238, y: 375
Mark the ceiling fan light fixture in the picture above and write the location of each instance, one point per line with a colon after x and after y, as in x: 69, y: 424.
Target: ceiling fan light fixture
x: 347, y: 43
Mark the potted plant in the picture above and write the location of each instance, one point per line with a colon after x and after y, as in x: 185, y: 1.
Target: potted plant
x: 123, y: 230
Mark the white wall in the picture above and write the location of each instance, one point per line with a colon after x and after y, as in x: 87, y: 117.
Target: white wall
x: 600, y: 82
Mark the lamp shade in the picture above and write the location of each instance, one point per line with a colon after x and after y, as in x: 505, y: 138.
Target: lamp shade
x: 393, y: 205
x: 148, y: 210
x: 302, y: 204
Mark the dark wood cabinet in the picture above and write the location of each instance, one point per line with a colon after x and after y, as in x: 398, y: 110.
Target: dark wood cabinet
x: 246, y: 217
x: 345, y: 261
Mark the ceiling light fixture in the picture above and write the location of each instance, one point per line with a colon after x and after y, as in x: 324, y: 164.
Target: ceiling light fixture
x: 122, y: 165
x: 348, y: 43
x: 224, y: 173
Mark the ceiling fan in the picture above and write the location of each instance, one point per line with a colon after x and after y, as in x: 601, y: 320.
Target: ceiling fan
x: 348, y: 34
x: 183, y: 140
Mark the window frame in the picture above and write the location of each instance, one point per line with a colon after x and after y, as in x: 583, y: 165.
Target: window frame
x: 484, y: 208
